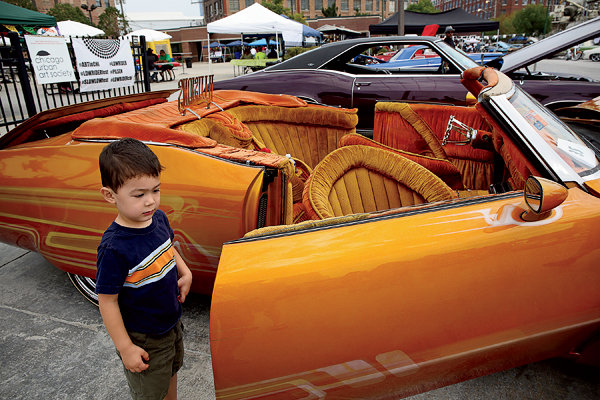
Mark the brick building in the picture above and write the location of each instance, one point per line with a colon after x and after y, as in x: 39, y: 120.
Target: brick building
x: 489, y: 9
x: 44, y: 5
x: 217, y: 9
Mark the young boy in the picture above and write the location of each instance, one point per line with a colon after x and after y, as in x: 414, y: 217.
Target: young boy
x: 141, y: 279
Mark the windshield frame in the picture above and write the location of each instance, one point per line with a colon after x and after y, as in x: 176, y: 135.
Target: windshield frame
x: 502, y: 105
x: 457, y: 55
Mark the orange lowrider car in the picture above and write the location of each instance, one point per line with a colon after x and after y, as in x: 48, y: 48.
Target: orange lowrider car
x: 458, y: 242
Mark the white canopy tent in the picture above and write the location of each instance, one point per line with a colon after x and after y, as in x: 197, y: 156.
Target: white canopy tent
x: 258, y: 20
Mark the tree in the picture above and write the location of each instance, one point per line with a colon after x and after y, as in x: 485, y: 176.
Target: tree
x: 28, y: 4
x: 423, y: 7
x: 506, y: 24
x: 531, y: 20
x: 113, y: 23
x: 277, y: 7
x: 331, y: 11
x: 66, y: 12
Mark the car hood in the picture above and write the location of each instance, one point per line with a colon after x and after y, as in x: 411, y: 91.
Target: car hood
x: 551, y: 45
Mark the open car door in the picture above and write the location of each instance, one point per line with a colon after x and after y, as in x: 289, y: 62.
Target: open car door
x: 402, y: 303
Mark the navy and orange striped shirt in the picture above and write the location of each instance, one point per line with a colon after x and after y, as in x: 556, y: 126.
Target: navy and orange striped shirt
x: 139, y: 266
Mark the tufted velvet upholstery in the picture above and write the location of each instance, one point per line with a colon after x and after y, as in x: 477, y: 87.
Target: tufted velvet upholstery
x: 419, y: 128
x: 306, y: 133
x: 444, y: 169
x: 357, y: 179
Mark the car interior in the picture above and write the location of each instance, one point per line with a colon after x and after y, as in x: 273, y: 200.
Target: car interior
x: 326, y: 170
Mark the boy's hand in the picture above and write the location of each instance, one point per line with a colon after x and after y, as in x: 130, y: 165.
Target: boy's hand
x: 133, y: 358
x: 184, y: 282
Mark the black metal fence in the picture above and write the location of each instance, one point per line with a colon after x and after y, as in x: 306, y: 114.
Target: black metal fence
x: 22, y: 97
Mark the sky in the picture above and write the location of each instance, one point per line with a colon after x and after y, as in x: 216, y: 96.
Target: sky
x: 185, y: 6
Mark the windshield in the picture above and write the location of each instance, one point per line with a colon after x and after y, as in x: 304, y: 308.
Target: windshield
x: 458, y: 55
x: 561, y: 139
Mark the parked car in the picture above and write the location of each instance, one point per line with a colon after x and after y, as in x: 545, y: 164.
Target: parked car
x: 460, y: 242
x: 328, y: 74
x: 418, y: 58
x: 500, y: 46
x: 592, y: 54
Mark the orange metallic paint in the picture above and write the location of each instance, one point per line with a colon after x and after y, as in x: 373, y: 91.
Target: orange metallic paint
x: 391, y: 307
x: 50, y: 202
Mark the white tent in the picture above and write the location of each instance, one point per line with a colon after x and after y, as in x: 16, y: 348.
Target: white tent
x: 259, y: 20
x: 73, y: 28
x: 151, y: 35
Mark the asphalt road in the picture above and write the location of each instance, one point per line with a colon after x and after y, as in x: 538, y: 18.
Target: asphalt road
x: 53, y: 344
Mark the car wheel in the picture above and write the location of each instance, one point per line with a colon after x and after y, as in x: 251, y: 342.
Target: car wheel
x: 86, y: 286
x: 595, y: 57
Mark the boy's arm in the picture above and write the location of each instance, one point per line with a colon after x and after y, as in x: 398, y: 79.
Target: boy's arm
x: 133, y: 356
x: 185, y: 277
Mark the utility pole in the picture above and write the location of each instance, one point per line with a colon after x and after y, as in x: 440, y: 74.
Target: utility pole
x: 400, y: 4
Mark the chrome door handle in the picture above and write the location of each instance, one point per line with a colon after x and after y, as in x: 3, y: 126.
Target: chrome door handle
x: 359, y: 84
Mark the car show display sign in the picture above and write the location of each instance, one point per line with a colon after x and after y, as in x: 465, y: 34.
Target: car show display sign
x: 50, y: 59
x: 103, y: 63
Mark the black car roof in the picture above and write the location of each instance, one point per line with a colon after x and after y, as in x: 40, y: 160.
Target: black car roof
x: 316, y: 58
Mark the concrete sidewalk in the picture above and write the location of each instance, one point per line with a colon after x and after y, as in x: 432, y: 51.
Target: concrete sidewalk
x: 221, y: 71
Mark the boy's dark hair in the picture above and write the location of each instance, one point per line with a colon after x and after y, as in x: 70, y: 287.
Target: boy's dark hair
x: 126, y: 159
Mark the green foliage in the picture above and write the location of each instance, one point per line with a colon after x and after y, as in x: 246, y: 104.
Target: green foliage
x: 358, y: 13
x: 298, y: 17
x: 423, y: 7
x: 531, y: 20
x: 506, y: 24
x: 28, y: 4
x: 277, y: 7
x: 331, y: 11
x: 294, y: 51
x: 66, y: 12
x: 112, y: 22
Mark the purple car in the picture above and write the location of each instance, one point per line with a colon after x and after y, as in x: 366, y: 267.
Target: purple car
x: 335, y: 75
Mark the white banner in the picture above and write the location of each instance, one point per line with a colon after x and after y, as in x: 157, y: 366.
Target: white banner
x: 50, y: 58
x: 103, y: 63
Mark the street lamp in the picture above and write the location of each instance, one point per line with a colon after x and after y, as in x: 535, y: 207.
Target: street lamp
x: 89, y: 9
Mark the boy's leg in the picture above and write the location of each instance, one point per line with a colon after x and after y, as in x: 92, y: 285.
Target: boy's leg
x: 166, y: 357
x: 172, y: 395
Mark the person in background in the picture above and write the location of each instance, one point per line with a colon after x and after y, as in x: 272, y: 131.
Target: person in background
x: 260, y: 55
x: 247, y: 55
x: 151, y: 57
x: 272, y: 53
x: 167, y: 67
x: 449, y: 32
x: 253, y: 51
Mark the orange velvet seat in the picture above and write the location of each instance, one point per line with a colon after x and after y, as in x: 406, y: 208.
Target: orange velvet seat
x: 306, y: 133
x: 357, y: 179
x: 444, y: 169
x: 419, y: 128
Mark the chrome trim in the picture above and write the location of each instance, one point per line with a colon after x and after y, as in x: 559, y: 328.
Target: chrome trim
x: 535, y: 143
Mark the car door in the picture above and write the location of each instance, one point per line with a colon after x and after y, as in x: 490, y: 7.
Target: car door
x: 404, y: 303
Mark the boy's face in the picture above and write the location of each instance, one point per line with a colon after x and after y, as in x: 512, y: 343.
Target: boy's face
x: 136, y: 200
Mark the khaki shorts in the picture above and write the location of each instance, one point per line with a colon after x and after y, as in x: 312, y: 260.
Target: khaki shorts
x: 166, y: 357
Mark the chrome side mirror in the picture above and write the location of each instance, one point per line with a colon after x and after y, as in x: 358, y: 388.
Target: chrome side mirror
x: 542, y: 196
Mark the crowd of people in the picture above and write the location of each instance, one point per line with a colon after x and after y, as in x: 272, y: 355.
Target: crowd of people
x: 250, y: 53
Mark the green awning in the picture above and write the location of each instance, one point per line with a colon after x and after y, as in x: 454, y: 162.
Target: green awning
x: 14, y: 15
